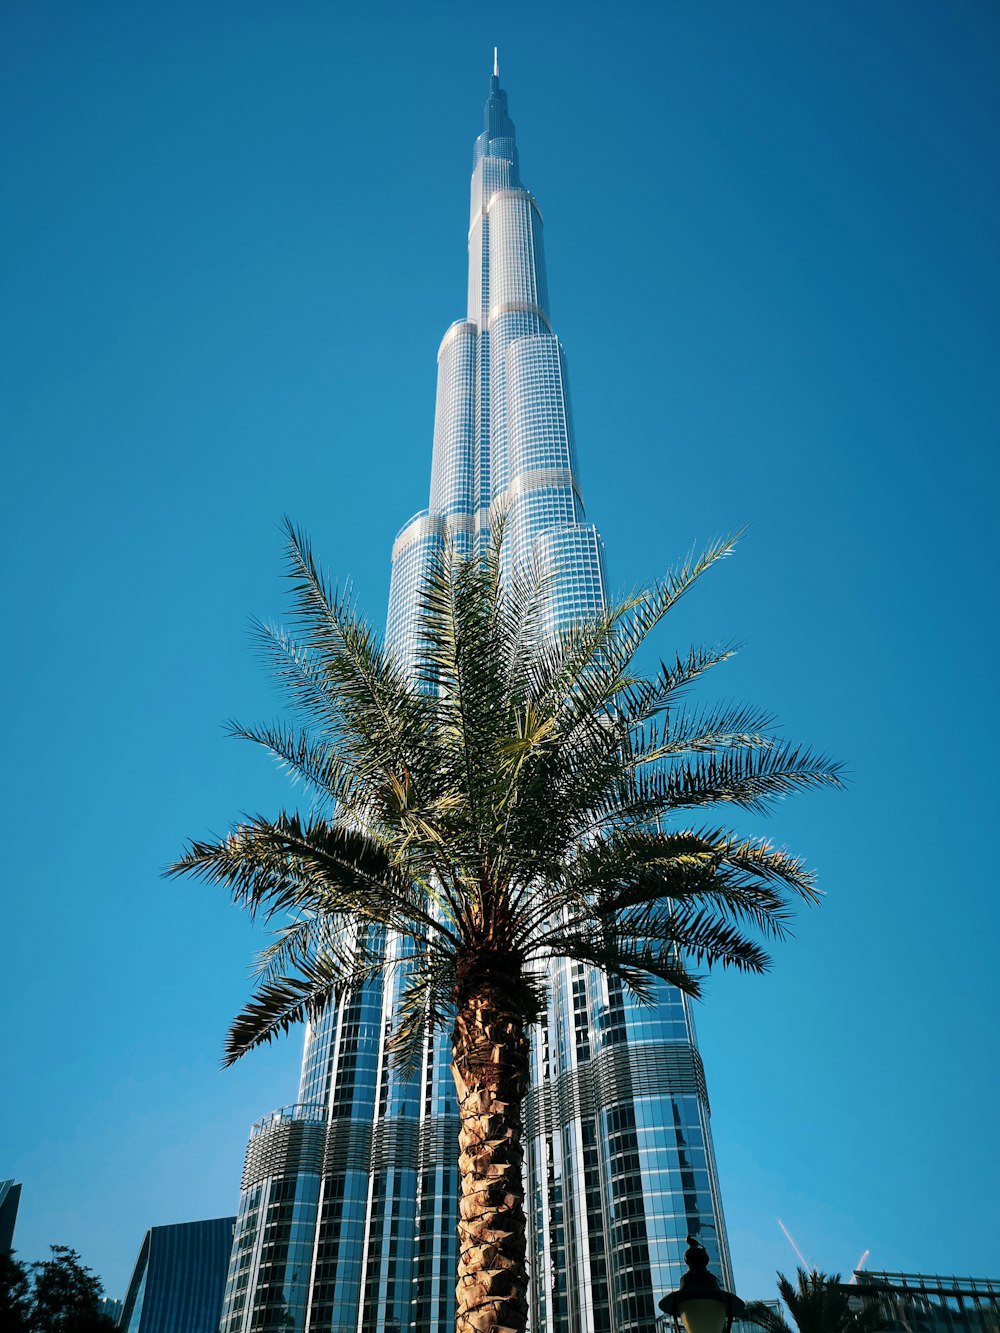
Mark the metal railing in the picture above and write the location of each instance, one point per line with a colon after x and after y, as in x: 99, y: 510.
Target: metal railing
x: 308, y: 1111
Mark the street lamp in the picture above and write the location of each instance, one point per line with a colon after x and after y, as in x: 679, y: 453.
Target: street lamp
x: 700, y: 1304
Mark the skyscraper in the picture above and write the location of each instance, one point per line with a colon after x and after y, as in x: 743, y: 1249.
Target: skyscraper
x: 348, y: 1201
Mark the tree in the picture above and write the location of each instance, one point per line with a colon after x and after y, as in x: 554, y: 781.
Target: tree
x: 15, y: 1302
x: 66, y: 1296
x: 503, y: 805
x: 817, y: 1303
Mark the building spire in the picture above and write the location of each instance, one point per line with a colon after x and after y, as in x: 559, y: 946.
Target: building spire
x: 497, y: 123
x: 498, y: 128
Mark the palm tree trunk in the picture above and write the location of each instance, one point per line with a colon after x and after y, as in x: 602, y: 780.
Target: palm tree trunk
x: 490, y: 1068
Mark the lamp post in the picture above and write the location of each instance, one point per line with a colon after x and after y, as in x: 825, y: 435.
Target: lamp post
x: 700, y: 1304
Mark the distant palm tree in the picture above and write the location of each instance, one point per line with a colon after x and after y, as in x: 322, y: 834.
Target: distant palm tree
x: 817, y: 1303
x: 503, y: 806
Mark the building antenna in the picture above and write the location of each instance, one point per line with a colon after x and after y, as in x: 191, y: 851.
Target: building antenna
x: 788, y: 1237
x: 496, y: 64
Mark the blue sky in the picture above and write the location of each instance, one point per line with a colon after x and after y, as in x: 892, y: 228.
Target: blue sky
x: 235, y: 235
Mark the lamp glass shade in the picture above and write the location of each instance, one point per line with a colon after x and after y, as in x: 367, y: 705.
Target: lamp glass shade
x: 703, y: 1316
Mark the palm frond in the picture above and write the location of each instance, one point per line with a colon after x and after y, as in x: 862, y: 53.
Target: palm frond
x: 287, y: 866
x: 702, y: 731
x: 314, y: 762
x: 638, y: 964
x: 380, y: 710
x: 644, y: 612
x: 646, y: 698
x: 425, y: 1004
x: 761, y: 1314
x: 700, y: 934
x: 298, y: 674
x: 279, y: 1004
x: 752, y: 779
x: 307, y: 937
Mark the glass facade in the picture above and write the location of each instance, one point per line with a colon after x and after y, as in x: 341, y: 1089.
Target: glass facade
x: 179, y: 1277
x: 10, y: 1197
x: 618, y: 1149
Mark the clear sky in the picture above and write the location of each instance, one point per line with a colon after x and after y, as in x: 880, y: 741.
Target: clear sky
x: 235, y: 234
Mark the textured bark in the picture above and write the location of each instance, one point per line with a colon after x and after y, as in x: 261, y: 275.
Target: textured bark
x: 490, y: 1067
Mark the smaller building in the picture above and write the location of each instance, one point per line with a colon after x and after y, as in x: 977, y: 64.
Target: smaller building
x: 110, y: 1309
x: 929, y: 1302
x: 10, y: 1197
x: 179, y: 1278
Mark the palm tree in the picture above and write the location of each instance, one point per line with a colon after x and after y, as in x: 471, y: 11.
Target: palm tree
x: 818, y: 1303
x: 503, y: 805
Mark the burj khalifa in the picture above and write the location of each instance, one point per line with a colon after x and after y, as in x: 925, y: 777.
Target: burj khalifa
x: 348, y: 1200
